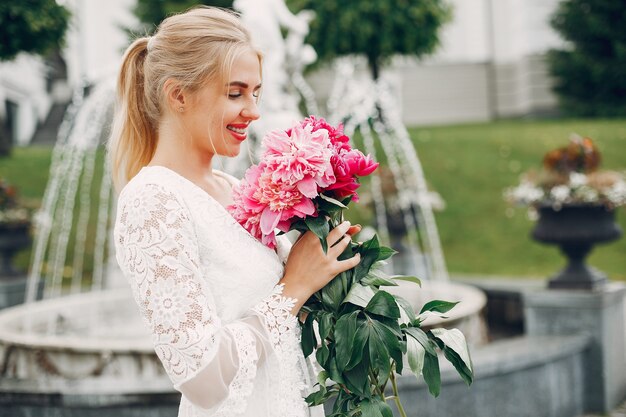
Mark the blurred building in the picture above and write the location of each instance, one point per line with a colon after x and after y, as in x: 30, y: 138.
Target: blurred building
x: 490, y: 65
x: 34, y: 92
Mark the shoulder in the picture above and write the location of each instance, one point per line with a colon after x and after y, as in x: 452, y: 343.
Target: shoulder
x: 148, y: 180
x: 152, y: 196
x: 157, y: 184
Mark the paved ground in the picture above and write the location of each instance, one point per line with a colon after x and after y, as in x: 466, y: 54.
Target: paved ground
x: 618, y: 412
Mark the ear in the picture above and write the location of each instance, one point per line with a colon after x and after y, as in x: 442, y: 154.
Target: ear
x: 176, y: 96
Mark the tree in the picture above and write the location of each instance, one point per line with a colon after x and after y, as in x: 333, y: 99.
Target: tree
x: 378, y: 29
x: 152, y: 12
x: 33, y: 26
x: 589, y: 73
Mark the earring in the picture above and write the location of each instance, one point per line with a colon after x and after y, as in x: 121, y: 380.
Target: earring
x: 181, y: 109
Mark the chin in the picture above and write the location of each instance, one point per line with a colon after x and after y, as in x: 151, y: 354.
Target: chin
x: 231, y: 153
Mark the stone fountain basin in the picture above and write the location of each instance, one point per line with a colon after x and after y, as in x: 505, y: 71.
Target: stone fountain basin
x: 96, y: 335
x: 99, y: 360
x: 101, y: 335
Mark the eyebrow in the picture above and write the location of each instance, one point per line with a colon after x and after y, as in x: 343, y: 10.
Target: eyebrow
x: 241, y: 84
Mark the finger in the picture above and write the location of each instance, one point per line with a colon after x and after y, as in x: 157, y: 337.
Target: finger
x: 337, y: 233
x: 353, y: 230
x: 348, y: 263
x: 339, y: 247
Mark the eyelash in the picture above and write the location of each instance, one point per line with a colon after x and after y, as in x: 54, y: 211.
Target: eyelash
x: 237, y: 95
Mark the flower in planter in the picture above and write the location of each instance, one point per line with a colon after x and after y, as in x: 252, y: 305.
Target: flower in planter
x: 570, y: 176
x: 11, y: 212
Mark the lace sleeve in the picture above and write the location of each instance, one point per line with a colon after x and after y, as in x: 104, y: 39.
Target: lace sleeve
x: 213, y: 365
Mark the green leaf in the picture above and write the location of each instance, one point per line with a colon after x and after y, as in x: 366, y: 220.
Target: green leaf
x: 438, y: 306
x: 359, y: 295
x: 385, y: 410
x: 333, y: 293
x: 321, y: 378
x: 320, y: 227
x: 407, y: 307
x: 333, y: 201
x: 379, y: 356
x: 325, y: 324
x: 407, y: 278
x: 308, y: 341
x: 369, y: 408
x: 385, y: 253
x: 345, y: 332
x: 319, y: 397
x: 383, y: 343
x: 358, y: 348
x: 356, y: 379
x: 432, y: 375
x: 415, y: 353
x: 419, y: 335
x: 333, y: 371
x: 369, y: 251
x: 299, y: 225
x: 378, y: 278
x: 321, y: 354
x: 383, y: 304
x: 456, y: 351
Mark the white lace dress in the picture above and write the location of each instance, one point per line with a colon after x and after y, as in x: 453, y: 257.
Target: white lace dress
x: 208, y: 291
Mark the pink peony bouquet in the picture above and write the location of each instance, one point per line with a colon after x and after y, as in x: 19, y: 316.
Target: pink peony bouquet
x: 300, y: 168
x: 305, y: 179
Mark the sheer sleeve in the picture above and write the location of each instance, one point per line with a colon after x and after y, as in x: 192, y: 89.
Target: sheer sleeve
x: 211, y: 364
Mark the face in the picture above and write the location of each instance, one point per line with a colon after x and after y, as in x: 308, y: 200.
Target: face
x: 221, y: 112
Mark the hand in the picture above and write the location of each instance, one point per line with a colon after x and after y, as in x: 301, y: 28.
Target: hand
x: 308, y: 268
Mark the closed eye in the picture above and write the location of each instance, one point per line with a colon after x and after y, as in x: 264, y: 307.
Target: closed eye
x: 242, y: 87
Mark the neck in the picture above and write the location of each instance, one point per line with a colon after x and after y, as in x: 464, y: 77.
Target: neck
x: 175, y: 151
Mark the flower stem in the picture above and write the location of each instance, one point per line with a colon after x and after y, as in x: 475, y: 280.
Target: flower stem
x: 396, y: 397
x: 374, y: 382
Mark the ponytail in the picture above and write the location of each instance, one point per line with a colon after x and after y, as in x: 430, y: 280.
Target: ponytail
x: 190, y: 48
x: 133, y: 134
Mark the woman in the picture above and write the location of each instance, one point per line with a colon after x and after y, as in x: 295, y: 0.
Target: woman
x: 220, y: 305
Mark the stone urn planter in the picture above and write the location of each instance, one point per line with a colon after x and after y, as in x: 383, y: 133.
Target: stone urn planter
x: 13, y: 238
x: 576, y: 228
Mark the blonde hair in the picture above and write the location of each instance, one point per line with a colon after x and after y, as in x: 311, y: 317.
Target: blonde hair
x: 191, y: 48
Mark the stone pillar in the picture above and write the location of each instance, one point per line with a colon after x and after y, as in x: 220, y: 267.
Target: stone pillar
x: 600, y: 314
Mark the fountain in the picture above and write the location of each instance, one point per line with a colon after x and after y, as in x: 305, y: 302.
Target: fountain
x: 84, y: 349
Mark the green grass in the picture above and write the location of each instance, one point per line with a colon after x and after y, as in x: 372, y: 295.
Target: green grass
x: 469, y: 165
x: 27, y: 169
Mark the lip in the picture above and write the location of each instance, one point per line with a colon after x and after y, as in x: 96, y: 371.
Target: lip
x: 238, y: 136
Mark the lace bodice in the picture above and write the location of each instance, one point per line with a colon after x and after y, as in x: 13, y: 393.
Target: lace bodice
x: 207, y: 290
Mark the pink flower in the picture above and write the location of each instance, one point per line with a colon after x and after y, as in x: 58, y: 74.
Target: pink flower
x: 297, y: 165
x: 246, y: 209
x: 261, y: 204
x: 335, y: 134
x: 281, y: 202
x: 347, y: 166
x: 300, y: 157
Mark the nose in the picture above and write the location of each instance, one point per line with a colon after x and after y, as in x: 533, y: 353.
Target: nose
x: 251, y: 111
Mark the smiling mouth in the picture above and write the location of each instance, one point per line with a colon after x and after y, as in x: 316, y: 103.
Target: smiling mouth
x: 238, y: 130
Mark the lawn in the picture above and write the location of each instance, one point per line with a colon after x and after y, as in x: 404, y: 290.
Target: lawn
x: 469, y: 165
